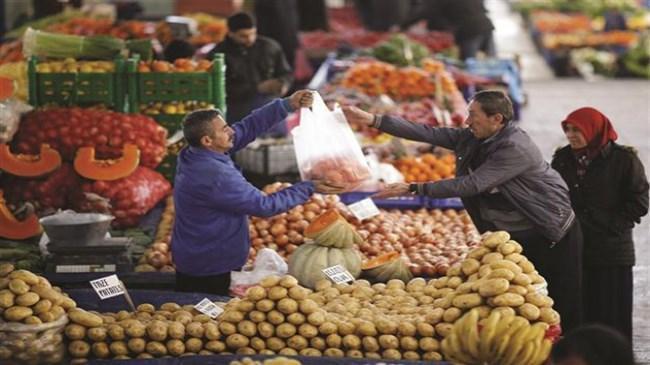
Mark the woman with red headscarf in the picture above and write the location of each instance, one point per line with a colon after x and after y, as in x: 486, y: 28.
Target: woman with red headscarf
x: 609, y: 193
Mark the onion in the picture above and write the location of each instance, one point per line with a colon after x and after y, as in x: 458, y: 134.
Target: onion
x: 262, y: 224
x: 282, y: 240
x: 278, y: 229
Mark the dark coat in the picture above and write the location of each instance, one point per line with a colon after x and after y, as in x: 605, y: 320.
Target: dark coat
x: 608, y: 200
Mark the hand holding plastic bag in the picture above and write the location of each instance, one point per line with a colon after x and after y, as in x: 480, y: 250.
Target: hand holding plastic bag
x: 326, y: 148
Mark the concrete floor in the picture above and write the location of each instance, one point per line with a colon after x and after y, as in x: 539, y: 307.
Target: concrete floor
x: 625, y: 102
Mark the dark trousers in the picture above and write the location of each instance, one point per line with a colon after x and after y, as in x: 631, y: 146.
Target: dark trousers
x: 561, y: 266
x: 607, y: 295
x: 213, y: 284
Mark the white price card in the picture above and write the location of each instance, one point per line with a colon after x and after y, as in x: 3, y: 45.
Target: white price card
x: 107, y: 287
x: 364, y: 209
x: 338, y: 274
x: 207, y: 307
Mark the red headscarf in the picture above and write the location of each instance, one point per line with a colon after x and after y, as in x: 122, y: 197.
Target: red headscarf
x: 595, y: 127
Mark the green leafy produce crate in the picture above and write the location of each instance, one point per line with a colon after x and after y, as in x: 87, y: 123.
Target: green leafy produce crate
x: 171, y: 122
x: 146, y: 87
x: 78, y: 88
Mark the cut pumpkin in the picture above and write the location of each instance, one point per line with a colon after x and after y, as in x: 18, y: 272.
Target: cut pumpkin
x: 45, y: 162
x: 14, y: 229
x: 87, y: 166
x: 322, y: 222
x: 386, y: 267
x: 330, y: 229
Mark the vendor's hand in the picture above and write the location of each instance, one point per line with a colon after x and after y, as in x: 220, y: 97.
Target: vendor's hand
x: 324, y: 187
x: 272, y: 87
x: 301, y: 99
x: 392, y: 190
x: 358, y: 116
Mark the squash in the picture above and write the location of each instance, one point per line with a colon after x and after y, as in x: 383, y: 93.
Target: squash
x: 308, y: 260
x: 47, y: 161
x: 14, y: 229
x: 332, y: 230
x: 86, y: 165
x: 386, y: 267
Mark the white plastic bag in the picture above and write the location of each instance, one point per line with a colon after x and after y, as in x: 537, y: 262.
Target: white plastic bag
x: 326, y: 148
x: 267, y: 262
x: 10, y: 111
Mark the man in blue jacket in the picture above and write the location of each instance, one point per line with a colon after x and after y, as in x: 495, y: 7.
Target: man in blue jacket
x: 505, y: 184
x: 213, y: 200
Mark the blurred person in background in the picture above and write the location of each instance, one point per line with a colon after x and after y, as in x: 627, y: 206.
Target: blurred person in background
x: 256, y: 69
x: 466, y: 19
x: 312, y: 15
x: 382, y: 15
x: 278, y: 20
x: 609, y: 193
x: 593, y: 345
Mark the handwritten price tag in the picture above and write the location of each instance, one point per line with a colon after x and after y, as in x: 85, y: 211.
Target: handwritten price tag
x: 338, y: 274
x: 107, y: 287
x: 208, y: 308
x: 364, y: 209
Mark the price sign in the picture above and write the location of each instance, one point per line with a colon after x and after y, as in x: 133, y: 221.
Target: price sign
x: 338, y: 274
x: 208, y: 308
x: 107, y: 287
x: 364, y: 209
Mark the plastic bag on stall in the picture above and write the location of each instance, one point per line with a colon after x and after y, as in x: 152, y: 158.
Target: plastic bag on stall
x: 267, y: 262
x: 326, y: 148
x: 33, y: 343
x: 10, y: 111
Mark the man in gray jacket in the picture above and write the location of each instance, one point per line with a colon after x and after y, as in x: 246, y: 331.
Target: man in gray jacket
x: 505, y: 184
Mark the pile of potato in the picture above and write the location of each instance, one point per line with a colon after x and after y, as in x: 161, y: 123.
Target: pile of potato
x: 280, y: 360
x: 33, y: 315
x: 171, y: 330
x: 494, y: 277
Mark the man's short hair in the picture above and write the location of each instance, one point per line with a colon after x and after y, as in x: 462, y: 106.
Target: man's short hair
x: 493, y: 102
x: 198, y: 124
x: 240, y: 21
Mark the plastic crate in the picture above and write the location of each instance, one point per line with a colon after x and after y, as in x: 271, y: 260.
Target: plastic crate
x: 82, y: 89
x: 268, y: 158
x: 146, y: 87
x: 171, y: 122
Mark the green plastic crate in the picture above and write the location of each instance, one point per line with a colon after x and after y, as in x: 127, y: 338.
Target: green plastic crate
x: 146, y: 87
x: 171, y: 122
x: 82, y: 89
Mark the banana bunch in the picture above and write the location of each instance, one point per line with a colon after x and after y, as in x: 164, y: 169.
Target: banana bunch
x: 504, y: 339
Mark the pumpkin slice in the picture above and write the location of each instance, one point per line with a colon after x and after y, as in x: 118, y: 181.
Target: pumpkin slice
x: 322, y: 222
x: 387, y: 267
x: 14, y: 229
x: 87, y: 166
x: 47, y: 161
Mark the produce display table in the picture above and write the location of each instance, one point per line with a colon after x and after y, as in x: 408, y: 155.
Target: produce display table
x: 226, y: 359
x: 136, y: 280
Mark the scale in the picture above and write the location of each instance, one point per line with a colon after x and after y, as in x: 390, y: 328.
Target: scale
x: 112, y: 255
x: 78, y: 244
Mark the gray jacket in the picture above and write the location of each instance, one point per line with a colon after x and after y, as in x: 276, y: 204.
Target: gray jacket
x: 512, y: 163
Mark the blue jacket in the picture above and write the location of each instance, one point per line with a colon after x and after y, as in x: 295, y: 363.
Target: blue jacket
x: 213, y: 200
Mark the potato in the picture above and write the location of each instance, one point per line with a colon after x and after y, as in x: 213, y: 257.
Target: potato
x: 444, y: 329
x: 84, y: 318
x: 308, y: 306
x: 549, y: 315
x: 288, y: 281
x: 210, y: 331
x: 146, y: 307
x: 257, y: 343
x: 492, y: 287
x: 265, y: 305
x: 270, y: 281
x: 526, y: 266
x: 372, y: 355
x: 490, y: 258
x: 237, y: 341
x: 285, y: 330
x: 428, y: 344
x: 25, y: 276
x: 247, y: 328
x: 100, y: 350
x: 182, y: 317
x: 145, y: 355
x: 32, y: 320
x: 310, y: 352
x: 386, y: 326
x: 257, y: 316
x: 529, y: 311
x: 264, y: 329
x: 296, y: 318
x: 505, y: 311
x: 232, y: 316
x: 275, y: 344
x: 18, y: 286
x: 451, y: 314
x: 67, y: 303
x: 78, y: 349
x: 194, y: 344
x: 406, y: 329
x: 275, y: 317
x: 425, y: 329
x: 334, y: 352
x: 27, y: 300
x: 434, y: 316
x: 277, y: 292
x: 215, y: 346
x: 7, y: 298
x: 175, y: 347
x: 316, y: 318
x: 388, y: 342
x: 297, y: 342
x: 156, y: 348
x: 75, y: 332
x: 157, y: 330
x: 17, y: 313
x: 467, y: 301
x: 539, y: 300
x: 518, y: 289
x: 298, y: 293
x: 508, y: 300
x: 287, y: 306
x: 6, y: 268
x: 137, y: 329
x: 318, y: 343
x: 287, y: 351
x: 194, y: 329
x: 171, y: 307
x: 327, y: 328
x: 267, y: 352
x: 391, y: 354
x: 4, y: 283
x: 470, y: 266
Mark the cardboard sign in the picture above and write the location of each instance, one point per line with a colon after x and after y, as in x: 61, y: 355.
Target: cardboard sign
x: 208, y: 308
x: 107, y: 287
x: 338, y: 274
x: 364, y: 209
